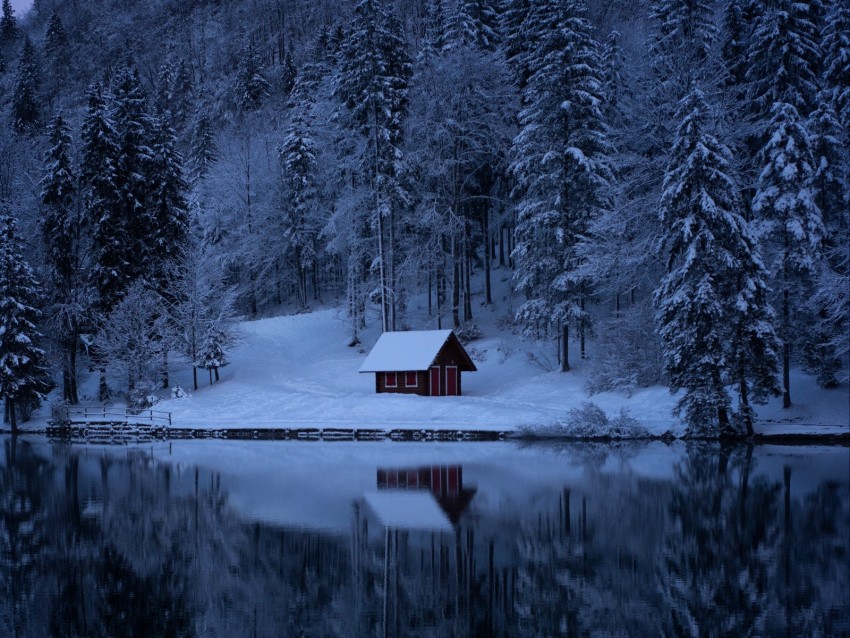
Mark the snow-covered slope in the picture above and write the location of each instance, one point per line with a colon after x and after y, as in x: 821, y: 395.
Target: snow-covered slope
x: 298, y: 371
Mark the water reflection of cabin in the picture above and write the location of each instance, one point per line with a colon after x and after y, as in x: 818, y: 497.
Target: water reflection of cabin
x: 424, y: 362
x: 444, y: 482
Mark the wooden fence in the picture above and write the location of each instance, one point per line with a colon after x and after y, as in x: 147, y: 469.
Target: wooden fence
x: 107, y: 414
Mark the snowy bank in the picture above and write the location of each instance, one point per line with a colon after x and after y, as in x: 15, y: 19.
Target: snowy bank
x: 297, y: 372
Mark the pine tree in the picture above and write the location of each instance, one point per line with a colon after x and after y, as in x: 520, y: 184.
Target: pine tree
x: 735, y: 43
x: 100, y: 190
x: 55, y: 39
x: 251, y: 87
x: 61, y: 231
x: 24, y: 378
x: 560, y: 162
x: 792, y: 229
x: 373, y: 84
x: 686, y: 34
x: 474, y: 23
x: 25, y: 116
x: 136, y: 179
x: 8, y: 24
x: 833, y: 180
x: 168, y: 235
x: 299, y: 168
x: 713, y: 316
x: 203, y: 151
x: 836, y: 50
x: 783, y: 58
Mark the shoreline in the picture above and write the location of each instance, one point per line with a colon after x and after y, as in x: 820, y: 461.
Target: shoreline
x: 108, y: 433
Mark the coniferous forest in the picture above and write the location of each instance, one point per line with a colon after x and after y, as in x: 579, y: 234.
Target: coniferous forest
x: 669, y: 178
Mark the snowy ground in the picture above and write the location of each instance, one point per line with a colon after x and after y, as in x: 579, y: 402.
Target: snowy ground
x: 297, y: 371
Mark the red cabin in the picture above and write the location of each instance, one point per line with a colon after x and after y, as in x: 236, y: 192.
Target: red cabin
x: 424, y: 362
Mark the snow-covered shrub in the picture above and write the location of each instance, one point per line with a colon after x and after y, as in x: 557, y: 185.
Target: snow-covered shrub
x: 588, y: 421
x: 627, y: 353
x: 178, y: 393
x: 468, y: 332
x: 60, y: 413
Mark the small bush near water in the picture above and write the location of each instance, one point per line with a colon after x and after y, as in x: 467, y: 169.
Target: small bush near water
x: 589, y: 421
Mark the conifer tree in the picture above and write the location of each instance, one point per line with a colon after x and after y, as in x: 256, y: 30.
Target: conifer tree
x: 299, y: 167
x: 713, y: 316
x: 203, y: 151
x: 135, y: 178
x: 100, y: 191
x: 251, y: 87
x: 168, y: 235
x: 24, y: 378
x: 55, y: 39
x: 560, y: 162
x: 833, y: 183
x: 25, y: 114
x: 792, y: 228
x: 373, y: 84
x: 474, y: 22
x: 8, y: 24
x: 61, y: 230
x: 783, y: 58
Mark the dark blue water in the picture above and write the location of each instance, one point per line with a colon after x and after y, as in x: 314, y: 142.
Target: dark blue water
x: 238, y: 539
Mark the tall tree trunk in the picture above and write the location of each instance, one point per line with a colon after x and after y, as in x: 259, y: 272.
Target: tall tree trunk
x: 195, y: 377
x: 786, y: 349
x: 565, y: 347
x: 502, y: 245
x: 467, y: 279
x: 73, y: 389
x: 485, y: 231
x: 165, y: 382
x: 455, y: 285
x: 217, y: 378
x: 581, y: 331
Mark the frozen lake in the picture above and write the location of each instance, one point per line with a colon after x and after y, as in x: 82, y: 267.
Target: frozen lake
x: 245, y: 538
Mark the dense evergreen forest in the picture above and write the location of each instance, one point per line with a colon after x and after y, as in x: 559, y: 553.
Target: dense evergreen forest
x: 667, y: 177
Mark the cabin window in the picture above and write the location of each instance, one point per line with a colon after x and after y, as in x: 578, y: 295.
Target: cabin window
x: 391, y: 380
x: 410, y: 380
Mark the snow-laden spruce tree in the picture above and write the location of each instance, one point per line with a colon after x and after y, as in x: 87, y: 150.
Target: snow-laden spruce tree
x: 24, y: 376
x: 372, y: 83
x: 62, y: 236
x: 783, y: 57
x: 791, y: 228
x: 560, y: 163
x: 713, y: 317
x: 300, y: 203
x: 25, y: 106
x: 832, y: 196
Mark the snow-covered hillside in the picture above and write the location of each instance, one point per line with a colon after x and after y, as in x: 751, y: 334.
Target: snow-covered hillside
x: 297, y: 371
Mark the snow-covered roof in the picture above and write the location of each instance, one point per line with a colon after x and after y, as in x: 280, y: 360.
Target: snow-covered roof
x: 408, y: 509
x: 405, y: 351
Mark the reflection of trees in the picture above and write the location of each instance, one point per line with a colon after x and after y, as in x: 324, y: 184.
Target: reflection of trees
x: 715, y: 564
x: 811, y: 576
x: 742, y: 557
x: 132, y: 605
x: 22, y: 536
x: 98, y: 544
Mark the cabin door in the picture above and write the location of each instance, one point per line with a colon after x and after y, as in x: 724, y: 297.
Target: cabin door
x: 435, y: 382
x: 451, y: 381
